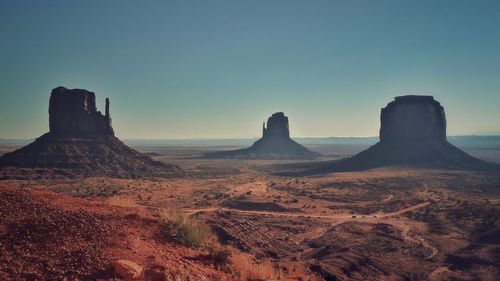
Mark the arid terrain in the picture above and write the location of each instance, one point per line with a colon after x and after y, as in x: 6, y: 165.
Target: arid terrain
x: 250, y: 140
x: 381, y: 224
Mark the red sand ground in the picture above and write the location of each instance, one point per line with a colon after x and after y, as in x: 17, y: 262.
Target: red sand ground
x: 49, y: 236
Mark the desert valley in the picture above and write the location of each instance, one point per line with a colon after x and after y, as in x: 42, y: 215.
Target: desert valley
x: 244, y: 140
x: 78, y: 204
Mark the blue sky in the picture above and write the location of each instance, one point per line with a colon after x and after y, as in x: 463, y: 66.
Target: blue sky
x: 218, y: 69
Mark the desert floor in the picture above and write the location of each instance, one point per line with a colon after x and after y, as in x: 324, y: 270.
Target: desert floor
x: 383, y: 224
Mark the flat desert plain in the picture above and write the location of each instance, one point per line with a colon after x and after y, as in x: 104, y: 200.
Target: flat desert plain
x: 393, y: 223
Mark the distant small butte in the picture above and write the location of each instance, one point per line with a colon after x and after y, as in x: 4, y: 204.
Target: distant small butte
x: 274, y: 144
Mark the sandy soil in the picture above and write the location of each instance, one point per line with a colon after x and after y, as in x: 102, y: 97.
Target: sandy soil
x: 383, y: 224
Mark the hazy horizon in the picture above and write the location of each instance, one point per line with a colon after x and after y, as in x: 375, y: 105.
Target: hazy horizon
x: 218, y: 69
x: 257, y: 137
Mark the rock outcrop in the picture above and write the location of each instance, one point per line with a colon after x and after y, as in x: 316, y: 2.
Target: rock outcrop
x: 274, y: 144
x: 80, y: 142
x: 74, y: 112
x: 127, y: 270
x: 413, y: 119
x: 412, y: 133
x: 277, y: 126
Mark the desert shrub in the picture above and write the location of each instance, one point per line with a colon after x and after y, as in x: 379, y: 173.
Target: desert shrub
x: 220, y: 195
x: 189, y: 231
x: 218, y: 255
x: 202, y: 203
x: 183, y: 229
x: 121, y: 202
x: 246, y: 269
x: 184, y: 276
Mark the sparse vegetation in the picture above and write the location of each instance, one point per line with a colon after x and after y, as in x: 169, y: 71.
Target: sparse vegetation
x: 191, y: 232
x: 218, y: 255
x: 247, y: 269
x: 183, y: 229
x: 380, y: 218
x: 121, y: 202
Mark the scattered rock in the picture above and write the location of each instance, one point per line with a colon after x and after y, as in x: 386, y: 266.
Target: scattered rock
x: 42, y: 242
x: 155, y: 272
x: 126, y: 269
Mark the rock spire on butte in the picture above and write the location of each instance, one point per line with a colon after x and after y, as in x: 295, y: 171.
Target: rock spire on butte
x: 74, y: 112
x: 412, y: 133
x: 274, y: 144
x: 80, y: 142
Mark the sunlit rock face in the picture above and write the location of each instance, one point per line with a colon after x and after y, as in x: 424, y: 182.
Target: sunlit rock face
x: 413, y: 119
x: 74, y: 111
x: 274, y: 144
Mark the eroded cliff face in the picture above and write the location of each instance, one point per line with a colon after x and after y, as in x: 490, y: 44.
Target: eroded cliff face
x: 413, y: 119
x: 277, y: 126
x: 74, y: 111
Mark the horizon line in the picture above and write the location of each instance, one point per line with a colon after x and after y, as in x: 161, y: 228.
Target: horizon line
x: 249, y: 138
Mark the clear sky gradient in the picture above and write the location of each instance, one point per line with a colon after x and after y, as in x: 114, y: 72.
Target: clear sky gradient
x: 218, y: 69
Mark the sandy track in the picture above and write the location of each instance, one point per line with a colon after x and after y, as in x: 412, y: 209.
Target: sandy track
x: 340, y: 218
x: 419, y: 240
x: 300, y: 215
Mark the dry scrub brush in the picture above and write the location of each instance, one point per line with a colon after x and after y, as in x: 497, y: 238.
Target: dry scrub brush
x: 245, y: 268
x: 189, y: 231
x: 121, y: 202
x: 179, y: 228
x: 182, y: 229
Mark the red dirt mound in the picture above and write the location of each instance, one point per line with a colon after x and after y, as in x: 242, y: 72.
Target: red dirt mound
x: 40, y: 242
x: 50, y: 236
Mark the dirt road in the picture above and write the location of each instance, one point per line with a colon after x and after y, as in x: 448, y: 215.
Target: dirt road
x: 300, y: 215
x: 341, y: 218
